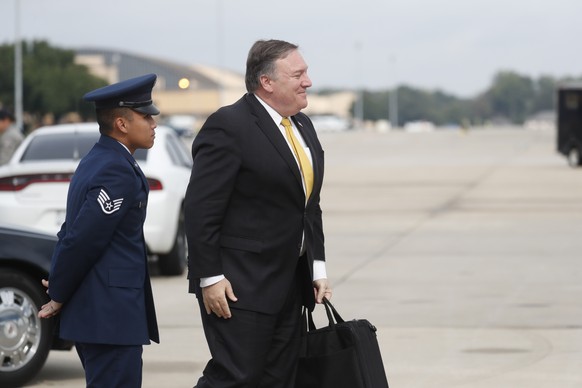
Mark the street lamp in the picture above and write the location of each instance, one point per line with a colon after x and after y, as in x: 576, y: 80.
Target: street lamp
x: 393, y: 96
x: 184, y: 83
x: 17, y: 67
x: 220, y: 39
x: 359, y: 107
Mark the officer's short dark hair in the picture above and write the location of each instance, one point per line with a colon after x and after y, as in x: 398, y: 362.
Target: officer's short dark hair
x: 106, y: 117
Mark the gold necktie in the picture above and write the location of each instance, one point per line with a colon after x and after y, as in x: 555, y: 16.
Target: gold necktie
x: 304, y: 163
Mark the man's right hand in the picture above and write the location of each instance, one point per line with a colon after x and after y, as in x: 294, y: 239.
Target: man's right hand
x: 214, y: 297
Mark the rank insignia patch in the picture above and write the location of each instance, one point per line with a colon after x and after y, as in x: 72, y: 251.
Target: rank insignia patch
x: 107, y: 205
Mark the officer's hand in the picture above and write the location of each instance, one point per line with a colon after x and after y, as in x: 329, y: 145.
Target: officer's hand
x: 214, y: 297
x: 45, y: 284
x: 321, y: 288
x: 50, y: 309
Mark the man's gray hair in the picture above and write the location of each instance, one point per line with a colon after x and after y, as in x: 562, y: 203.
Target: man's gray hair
x: 261, y: 60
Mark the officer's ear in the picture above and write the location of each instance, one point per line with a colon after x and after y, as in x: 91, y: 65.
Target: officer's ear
x: 120, y: 124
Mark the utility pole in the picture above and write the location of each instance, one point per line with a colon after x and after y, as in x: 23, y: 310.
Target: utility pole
x: 359, y: 104
x: 220, y: 39
x: 393, y: 97
x: 17, y: 68
x: 393, y: 106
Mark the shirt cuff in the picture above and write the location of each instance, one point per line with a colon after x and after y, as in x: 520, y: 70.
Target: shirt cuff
x: 205, y: 282
x: 319, y: 271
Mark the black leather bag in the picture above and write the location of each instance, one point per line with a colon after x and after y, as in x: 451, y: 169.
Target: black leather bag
x: 343, y: 354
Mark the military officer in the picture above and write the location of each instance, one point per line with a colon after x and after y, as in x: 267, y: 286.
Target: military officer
x: 99, y: 280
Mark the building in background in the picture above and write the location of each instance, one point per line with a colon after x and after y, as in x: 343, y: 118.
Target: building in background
x: 190, y: 93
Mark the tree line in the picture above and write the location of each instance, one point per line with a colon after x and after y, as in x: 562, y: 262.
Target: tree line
x: 511, y: 98
x: 53, y: 85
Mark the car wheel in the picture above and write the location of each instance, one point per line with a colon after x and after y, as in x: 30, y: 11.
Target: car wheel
x: 25, y: 339
x: 174, y: 263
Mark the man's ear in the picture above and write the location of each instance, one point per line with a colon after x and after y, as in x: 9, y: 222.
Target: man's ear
x: 266, y: 83
x: 120, y: 124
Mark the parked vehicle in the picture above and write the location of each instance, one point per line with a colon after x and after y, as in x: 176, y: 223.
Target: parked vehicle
x: 25, y: 339
x: 569, y: 117
x: 34, y: 185
x: 329, y: 123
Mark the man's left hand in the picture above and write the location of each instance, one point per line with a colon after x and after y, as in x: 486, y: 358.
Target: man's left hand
x: 50, y: 309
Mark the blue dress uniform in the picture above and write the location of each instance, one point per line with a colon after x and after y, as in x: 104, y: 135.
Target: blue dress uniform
x: 99, y: 267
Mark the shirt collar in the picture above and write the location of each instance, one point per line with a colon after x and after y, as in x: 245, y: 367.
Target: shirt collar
x: 124, y: 146
x: 272, y: 112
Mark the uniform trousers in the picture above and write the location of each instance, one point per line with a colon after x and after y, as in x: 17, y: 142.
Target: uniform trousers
x: 111, y: 366
x: 251, y: 349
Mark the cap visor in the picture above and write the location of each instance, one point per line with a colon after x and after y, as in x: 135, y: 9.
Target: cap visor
x: 149, y: 110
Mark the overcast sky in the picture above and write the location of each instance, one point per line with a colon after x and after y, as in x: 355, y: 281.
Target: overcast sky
x: 453, y: 45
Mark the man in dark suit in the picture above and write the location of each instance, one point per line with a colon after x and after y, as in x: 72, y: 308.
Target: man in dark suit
x: 254, y: 224
x: 99, y: 280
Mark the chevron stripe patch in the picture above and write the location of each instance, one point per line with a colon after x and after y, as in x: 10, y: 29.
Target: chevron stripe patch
x: 107, y: 205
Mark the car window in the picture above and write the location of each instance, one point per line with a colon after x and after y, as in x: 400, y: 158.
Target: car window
x: 65, y: 146
x: 59, y: 146
x: 178, y: 152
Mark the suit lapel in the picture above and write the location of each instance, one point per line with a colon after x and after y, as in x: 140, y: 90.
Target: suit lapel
x: 114, y: 144
x: 138, y: 170
x: 312, y: 145
x: 273, y: 133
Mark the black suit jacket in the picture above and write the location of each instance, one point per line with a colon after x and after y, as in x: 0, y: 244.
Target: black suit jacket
x: 245, y: 207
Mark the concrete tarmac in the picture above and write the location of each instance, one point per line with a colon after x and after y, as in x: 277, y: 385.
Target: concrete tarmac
x: 463, y: 249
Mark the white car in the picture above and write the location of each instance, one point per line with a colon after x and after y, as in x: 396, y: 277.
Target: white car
x: 34, y: 185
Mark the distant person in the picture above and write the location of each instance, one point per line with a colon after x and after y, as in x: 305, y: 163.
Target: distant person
x: 99, y: 280
x: 254, y: 224
x: 10, y: 136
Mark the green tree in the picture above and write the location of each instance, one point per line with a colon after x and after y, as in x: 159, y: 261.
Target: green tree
x: 511, y: 96
x: 52, y: 82
x: 415, y: 104
x: 545, y: 94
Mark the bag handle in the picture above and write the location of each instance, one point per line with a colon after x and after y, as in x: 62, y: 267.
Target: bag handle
x: 333, y: 317
x: 328, y: 307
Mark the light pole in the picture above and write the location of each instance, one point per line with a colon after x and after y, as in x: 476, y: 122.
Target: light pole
x: 220, y: 33
x: 17, y: 68
x: 393, y: 96
x: 359, y: 107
